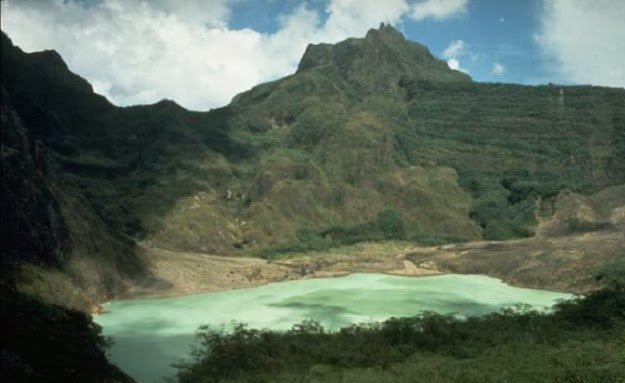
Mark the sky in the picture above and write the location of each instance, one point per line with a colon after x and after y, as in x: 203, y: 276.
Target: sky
x: 201, y: 53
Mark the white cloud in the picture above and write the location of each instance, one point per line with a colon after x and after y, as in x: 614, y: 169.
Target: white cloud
x: 454, y: 49
x: 438, y: 9
x: 498, y: 69
x: 212, y: 13
x: 453, y: 64
x: 452, y: 54
x: 135, y: 51
x: 581, y: 40
x: 346, y: 17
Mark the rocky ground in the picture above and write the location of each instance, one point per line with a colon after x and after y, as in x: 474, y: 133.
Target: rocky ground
x: 565, y: 263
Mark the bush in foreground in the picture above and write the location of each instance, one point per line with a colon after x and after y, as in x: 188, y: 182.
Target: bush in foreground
x: 579, y: 341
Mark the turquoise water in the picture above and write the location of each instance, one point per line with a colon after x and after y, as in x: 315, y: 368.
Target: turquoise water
x: 150, y: 334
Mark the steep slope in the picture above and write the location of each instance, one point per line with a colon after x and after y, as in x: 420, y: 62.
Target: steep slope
x: 47, y: 220
x: 57, y: 255
x: 516, y: 145
x: 324, y: 155
x: 367, y: 108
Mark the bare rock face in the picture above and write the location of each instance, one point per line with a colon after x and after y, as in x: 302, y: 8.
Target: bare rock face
x: 51, y: 65
x: 32, y: 225
x: 618, y: 216
x: 578, y: 213
x: 54, y: 244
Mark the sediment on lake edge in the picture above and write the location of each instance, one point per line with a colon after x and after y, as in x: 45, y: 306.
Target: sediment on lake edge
x: 566, y: 264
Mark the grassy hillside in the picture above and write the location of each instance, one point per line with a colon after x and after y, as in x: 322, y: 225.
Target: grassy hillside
x: 516, y: 145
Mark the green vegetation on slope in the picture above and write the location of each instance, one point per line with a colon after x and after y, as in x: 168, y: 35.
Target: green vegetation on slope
x: 579, y: 341
x: 387, y: 226
x: 515, y: 145
x: 514, y: 148
x: 309, y: 161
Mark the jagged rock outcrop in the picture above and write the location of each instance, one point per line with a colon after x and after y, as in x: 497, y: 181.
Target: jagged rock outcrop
x: 579, y: 213
x: 384, y: 62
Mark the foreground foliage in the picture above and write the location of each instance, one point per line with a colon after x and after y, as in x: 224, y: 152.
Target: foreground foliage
x: 580, y: 341
x: 48, y: 343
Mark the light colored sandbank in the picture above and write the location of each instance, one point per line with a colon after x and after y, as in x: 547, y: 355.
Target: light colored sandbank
x: 564, y: 264
x: 182, y: 273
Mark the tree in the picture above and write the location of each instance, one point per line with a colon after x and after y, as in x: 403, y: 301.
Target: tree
x: 391, y: 224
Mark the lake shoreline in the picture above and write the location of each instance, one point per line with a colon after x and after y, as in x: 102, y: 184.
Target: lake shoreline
x: 178, y: 274
x: 165, y: 329
x: 562, y: 264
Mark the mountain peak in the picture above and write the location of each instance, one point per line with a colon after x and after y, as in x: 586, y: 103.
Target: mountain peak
x: 44, y: 67
x: 384, y: 34
x: 379, y: 60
